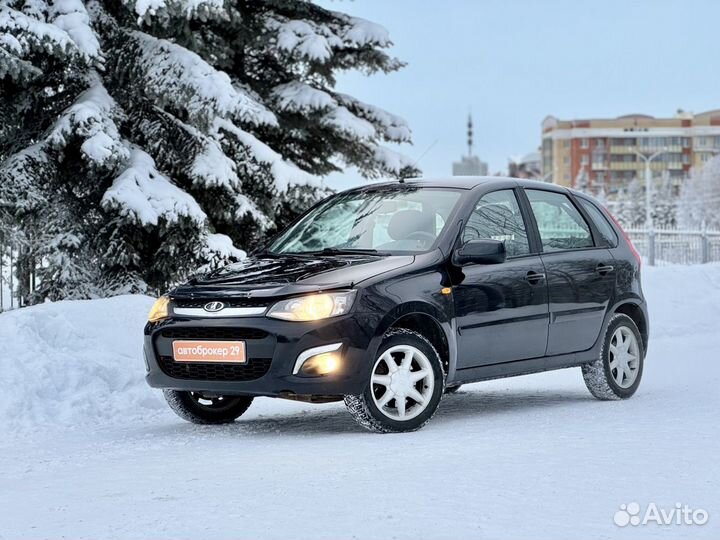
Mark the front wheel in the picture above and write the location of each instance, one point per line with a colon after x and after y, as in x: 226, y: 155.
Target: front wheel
x: 617, y: 373
x: 199, y: 408
x: 405, y: 387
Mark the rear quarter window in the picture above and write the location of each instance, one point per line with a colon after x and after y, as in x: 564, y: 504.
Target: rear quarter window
x: 601, y: 222
x: 560, y: 223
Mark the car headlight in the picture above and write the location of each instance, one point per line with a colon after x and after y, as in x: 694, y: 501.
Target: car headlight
x: 313, y: 307
x: 160, y: 309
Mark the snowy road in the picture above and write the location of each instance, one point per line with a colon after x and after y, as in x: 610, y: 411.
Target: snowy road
x: 530, y: 457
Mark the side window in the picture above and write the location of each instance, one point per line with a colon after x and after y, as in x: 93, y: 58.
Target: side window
x: 497, y: 217
x: 560, y: 224
x: 601, y: 222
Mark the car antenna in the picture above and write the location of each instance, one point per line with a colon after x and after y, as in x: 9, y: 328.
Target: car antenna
x: 402, y: 178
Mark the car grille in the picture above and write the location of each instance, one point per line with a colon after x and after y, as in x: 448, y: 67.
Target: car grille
x: 253, y: 369
x: 212, y: 332
x: 229, y: 302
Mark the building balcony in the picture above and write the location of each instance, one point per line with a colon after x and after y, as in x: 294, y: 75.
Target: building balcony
x: 639, y: 165
x: 646, y: 150
x: 624, y: 149
x: 599, y: 165
x: 624, y: 165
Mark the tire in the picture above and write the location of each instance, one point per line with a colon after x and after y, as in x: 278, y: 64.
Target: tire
x: 452, y: 389
x: 602, y: 375
x: 221, y: 410
x: 382, y: 413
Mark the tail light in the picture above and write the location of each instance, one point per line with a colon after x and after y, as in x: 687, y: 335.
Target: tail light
x: 626, y: 237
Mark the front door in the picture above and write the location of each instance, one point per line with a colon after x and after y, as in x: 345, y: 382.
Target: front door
x: 580, y: 275
x: 501, y: 309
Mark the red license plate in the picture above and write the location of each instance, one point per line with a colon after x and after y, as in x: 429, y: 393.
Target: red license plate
x: 231, y: 352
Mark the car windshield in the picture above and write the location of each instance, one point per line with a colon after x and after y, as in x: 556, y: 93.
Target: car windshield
x: 383, y: 220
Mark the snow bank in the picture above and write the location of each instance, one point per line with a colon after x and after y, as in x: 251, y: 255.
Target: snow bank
x: 75, y: 363
x: 80, y: 362
x: 683, y: 300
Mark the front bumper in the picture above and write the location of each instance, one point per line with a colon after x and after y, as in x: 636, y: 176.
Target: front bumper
x: 272, y: 347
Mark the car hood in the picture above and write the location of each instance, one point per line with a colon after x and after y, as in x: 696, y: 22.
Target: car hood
x: 289, y: 274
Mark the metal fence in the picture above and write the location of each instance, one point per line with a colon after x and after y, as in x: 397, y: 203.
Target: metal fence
x: 676, y: 246
x: 658, y: 247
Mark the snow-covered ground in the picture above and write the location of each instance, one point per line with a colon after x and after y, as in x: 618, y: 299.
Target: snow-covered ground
x: 88, y: 451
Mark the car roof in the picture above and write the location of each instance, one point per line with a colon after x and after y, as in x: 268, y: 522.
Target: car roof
x: 465, y: 182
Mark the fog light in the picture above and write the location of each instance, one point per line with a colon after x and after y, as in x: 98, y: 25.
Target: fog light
x: 321, y: 364
x: 318, y: 361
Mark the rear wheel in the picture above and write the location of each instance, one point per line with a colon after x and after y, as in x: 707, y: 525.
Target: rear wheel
x: 405, y: 387
x: 200, y: 408
x: 617, y: 373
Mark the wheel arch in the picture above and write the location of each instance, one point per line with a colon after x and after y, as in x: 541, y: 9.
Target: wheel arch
x: 637, y: 314
x: 427, y: 320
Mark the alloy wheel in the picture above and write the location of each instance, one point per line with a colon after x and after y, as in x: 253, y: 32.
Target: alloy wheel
x: 624, y: 357
x: 402, y: 382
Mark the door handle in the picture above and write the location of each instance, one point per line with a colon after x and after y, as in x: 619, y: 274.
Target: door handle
x: 534, y: 277
x: 604, y: 269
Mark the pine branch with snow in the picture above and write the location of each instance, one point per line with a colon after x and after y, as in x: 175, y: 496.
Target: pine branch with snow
x: 142, y: 139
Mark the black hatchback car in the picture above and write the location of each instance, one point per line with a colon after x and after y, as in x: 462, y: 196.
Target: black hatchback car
x: 390, y: 295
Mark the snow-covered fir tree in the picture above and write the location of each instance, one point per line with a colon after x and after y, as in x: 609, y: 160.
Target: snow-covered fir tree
x: 140, y: 139
x: 664, y: 202
x: 699, y: 201
x: 601, y: 195
x: 630, y: 205
x: 582, y: 182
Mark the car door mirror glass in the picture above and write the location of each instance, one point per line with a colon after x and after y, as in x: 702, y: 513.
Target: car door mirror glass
x: 481, y: 251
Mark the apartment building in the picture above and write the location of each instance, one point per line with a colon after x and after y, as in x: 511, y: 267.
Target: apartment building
x: 606, y: 150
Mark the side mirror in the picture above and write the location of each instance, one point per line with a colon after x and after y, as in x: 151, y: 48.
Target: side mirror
x: 480, y: 252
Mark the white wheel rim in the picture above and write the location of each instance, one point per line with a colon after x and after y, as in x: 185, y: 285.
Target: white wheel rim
x: 402, y: 382
x: 624, y: 357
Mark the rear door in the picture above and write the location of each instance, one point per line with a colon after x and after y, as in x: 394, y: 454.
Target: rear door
x: 501, y: 309
x: 580, y: 271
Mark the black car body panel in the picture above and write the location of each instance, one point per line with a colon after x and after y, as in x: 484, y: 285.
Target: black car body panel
x: 579, y: 297
x: 274, y: 344
x: 539, y: 311
x: 275, y: 276
x: 496, y: 303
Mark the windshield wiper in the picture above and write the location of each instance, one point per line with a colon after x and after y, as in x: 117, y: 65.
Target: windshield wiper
x: 348, y: 251
x: 265, y: 253
x: 336, y: 251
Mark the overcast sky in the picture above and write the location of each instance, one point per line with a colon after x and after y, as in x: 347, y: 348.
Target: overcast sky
x: 515, y: 61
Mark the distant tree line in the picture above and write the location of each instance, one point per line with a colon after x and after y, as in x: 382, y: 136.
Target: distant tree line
x: 696, y: 204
